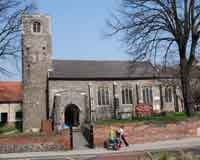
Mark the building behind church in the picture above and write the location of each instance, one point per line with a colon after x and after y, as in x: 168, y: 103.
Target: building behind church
x: 10, y: 103
x: 77, y: 91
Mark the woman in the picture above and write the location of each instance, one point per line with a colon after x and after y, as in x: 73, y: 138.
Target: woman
x: 120, y: 134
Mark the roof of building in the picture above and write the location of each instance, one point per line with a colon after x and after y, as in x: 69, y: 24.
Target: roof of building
x: 174, y: 71
x: 10, y: 92
x: 92, y: 69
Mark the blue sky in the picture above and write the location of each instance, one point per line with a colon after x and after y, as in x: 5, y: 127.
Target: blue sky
x: 78, y: 31
x: 78, y: 28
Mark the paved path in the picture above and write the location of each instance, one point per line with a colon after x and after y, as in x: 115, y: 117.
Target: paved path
x: 164, y: 145
x: 79, y: 141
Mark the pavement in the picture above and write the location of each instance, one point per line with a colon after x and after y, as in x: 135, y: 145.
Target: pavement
x: 157, y: 146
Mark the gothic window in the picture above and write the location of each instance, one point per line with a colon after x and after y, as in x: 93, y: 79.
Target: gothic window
x: 103, y: 96
x: 168, y: 94
x: 147, y: 95
x: 127, y: 95
x: 36, y: 27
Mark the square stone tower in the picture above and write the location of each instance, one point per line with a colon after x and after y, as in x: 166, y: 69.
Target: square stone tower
x: 36, y: 59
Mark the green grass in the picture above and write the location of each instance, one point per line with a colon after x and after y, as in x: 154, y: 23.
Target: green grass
x: 159, y: 119
x: 6, y: 129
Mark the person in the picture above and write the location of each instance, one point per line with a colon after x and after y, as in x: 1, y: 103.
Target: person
x: 120, y: 134
x: 111, y: 136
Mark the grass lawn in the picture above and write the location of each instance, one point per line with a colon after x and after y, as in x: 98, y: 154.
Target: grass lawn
x: 174, y: 117
x: 6, y: 129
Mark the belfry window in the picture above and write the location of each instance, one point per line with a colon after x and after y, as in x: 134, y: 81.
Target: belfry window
x: 36, y: 27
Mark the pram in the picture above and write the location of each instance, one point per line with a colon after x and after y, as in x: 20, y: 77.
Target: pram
x: 114, y: 144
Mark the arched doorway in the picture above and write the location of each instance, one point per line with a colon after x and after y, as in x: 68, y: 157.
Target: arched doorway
x: 72, y: 113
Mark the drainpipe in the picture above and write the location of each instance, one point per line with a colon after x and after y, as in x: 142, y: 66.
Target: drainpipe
x: 161, y: 98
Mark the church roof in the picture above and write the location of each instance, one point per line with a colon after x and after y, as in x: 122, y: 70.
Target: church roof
x: 10, y: 92
x: 92, y: 69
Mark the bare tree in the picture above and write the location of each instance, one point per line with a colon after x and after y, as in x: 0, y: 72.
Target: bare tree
x: 10, y: 25
x: 195, y: 85
x: 162, y: 30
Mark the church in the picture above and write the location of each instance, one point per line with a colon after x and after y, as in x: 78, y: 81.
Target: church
x: 77, y: 91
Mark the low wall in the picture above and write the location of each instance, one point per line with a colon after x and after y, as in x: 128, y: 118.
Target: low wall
x: 35, y: 143
x: 138, y: 134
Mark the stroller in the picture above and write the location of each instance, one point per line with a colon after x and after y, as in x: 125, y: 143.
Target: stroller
x: 113, y: 143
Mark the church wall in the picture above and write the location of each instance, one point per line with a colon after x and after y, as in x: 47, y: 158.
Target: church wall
x: 75, y: 91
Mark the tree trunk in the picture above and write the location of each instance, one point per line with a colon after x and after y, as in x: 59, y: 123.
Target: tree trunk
x: 186, y: 89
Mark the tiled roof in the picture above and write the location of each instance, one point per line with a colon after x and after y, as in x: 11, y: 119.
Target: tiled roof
x: 10, y: 92
x: 91, y: 69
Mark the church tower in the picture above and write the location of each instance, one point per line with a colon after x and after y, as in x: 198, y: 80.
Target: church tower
x: 36, y: 59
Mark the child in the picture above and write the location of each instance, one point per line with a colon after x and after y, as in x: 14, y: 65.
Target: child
x: 111, y: 136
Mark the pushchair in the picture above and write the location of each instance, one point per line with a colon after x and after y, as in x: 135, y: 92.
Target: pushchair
x: 113, y: 143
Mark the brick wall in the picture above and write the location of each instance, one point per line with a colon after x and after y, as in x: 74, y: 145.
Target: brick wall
x: 137, y: 133
x: 37, y: 143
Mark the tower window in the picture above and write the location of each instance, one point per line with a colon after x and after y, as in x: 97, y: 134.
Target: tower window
x: 37, y: 27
